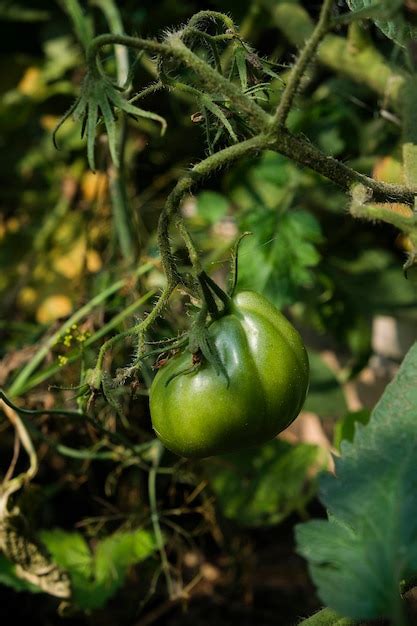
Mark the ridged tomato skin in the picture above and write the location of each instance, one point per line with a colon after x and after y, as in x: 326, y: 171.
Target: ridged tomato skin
x: 200, y: 414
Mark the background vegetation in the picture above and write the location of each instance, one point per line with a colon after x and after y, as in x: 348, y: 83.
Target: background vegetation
x: 142, y: 536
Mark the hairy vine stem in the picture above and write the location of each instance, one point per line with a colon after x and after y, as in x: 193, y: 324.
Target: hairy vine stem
x: 174, y: 48
x: 303, y: 152
x: 301, y: 64
x: 138, y: 330
x: 269, y: 132
x: 201, y: 170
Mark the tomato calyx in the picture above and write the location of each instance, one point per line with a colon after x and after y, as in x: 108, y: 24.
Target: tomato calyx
x: 201, y: 347
x: 210, y: 290
x: 216, y: 303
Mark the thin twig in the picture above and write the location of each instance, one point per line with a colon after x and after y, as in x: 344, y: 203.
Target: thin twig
x: 14, y: 484
x: 299, y: 68
x: 156, y: 526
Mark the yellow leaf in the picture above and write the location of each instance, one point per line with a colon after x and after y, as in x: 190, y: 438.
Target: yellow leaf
x: 94, y: 186
x: 53, y: 308
x: 71, y: 264
x: 31, y: 82
x: 27, y: 297
x: 48, y: 122
x: 94, y: 263
x: 388, y: 170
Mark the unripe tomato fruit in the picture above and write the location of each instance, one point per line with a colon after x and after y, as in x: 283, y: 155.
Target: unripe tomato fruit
x: 200, y: 414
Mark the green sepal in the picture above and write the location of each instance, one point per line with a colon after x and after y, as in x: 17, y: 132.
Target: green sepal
x: 99, y: 98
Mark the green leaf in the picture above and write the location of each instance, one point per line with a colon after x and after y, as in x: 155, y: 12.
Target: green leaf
x: 249, y: 486
x: 91, y: 132
x: 278, y: 258
x: 392, y: 21
x: 369, y: 544
x: 212, y: 206
x: 345, y: 428
x: 208, y: 103
x: 240, y: 59
x: 108, y: 116
x: 100, y: 96
x: 71, y: 552
x: 119, y: 101
x: 97, y: 576
x: 82, y: 22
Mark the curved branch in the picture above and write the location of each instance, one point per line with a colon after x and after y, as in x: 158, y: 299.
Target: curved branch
x: 215, y: 161
x: 303, y: 152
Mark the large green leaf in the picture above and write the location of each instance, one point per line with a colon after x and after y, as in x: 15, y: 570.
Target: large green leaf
x: 359, y: 556
x: 278, y: 258
x: 263, y: 485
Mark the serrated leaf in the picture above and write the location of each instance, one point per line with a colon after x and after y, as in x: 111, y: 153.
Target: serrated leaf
x: 71, y: 552
x: 369, y: 544
x: 278, y: 258
x: 249, y: 487
x: 97, y: 576
x: 118, y: 552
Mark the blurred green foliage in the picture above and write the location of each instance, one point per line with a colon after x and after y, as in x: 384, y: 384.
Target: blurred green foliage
x: 61, y: 228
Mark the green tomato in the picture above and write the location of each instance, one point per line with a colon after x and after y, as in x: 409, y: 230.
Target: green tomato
x: 200, y: 413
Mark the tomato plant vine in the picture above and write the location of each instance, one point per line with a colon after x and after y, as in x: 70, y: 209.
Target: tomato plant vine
x: 245, y: 106
x: 208, y: 83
